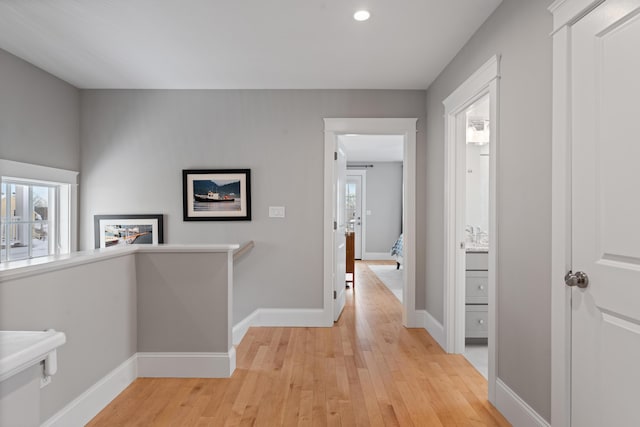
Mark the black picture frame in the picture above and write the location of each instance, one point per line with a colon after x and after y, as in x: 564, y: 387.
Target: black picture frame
x: 113, y: 229
x: 216, y: 194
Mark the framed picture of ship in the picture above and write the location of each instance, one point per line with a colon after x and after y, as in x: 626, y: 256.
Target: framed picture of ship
x: 120, y: 230
x: 216, y: 194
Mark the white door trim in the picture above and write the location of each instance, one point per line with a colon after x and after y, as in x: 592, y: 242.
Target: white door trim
x: 385, y: 126
x: 565, y: 14
x: 484, y: 81
x: 363, y: 207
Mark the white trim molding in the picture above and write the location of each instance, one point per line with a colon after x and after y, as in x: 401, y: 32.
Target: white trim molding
x: 481, y: 83
x: 242, y: 327
x: 157, y: 365
x: 433, y: 327
x: 516, y: 410
x: 279, y: 317
x: 86, y: 406
x: 565, y: 14
x: 383, y: 126
x: 363, y: 206
x: 187, y: 365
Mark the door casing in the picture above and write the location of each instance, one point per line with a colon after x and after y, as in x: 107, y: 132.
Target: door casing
x: 374, y: 126
x: 483, y: 82
x: 363, y: 206
x: 565, y: 14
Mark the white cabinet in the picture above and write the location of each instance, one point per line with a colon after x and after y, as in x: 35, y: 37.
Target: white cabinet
x: 476, y: 295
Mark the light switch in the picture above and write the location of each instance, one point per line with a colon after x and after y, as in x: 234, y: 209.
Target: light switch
x: 368, y: 212
x: 276, y: 211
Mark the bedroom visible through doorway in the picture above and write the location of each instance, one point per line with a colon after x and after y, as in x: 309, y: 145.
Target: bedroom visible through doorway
x: 388, y: 223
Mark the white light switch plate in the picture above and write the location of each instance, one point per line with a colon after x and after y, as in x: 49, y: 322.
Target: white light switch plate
x: 368, y: 212
x: 276, y: 211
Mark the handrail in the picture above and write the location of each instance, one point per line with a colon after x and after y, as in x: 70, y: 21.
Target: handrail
x: 243, y: 249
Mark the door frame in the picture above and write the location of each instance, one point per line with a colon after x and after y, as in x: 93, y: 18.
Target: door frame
x: 565, y: 14
x: 483, y: 82
x: 363, y: 205
x: 383, y: 126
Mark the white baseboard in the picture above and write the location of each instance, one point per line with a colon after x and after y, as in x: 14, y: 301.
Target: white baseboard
x: 279, y: 317
x: 186, y: 365
x: 241, y: 328
x: 435, y: 328
x: 179, y: 365
x: 291, y: 317
x: 86, y: 406
x: 378, y: 256
x: 516, y: 410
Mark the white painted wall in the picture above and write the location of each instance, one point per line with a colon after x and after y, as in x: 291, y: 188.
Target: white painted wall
x: 39, y: 116
x: 384, y: 200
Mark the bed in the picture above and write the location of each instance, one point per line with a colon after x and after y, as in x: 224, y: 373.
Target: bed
x: 396, y: 251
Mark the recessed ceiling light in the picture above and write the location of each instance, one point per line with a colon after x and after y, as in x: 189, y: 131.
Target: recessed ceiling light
x: 361, y: 15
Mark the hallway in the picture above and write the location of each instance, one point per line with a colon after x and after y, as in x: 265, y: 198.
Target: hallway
x: 366, y: 370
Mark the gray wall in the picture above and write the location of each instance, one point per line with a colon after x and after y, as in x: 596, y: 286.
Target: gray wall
x: 182, y: 300
x: 39, y: 116
x: 519, y: 31
x: 384, y: 200
x: 94, y: 305
x: 114, y: 307
x: 135, y: 144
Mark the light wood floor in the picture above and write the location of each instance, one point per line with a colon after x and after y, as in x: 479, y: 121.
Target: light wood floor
x: 366, y: 370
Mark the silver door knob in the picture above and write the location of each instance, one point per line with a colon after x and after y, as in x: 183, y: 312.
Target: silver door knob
x: 579, y: 279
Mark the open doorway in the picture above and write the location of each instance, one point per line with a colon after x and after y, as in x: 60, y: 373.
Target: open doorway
x: 336, y: 224
x: 471, y: 152
x: 476, y: 242
x: 374, y: 204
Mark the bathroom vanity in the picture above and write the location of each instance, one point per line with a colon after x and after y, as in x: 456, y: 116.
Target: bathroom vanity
x: 477, y: 293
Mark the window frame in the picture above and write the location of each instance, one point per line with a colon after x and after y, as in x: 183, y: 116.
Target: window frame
x: 64, y: 215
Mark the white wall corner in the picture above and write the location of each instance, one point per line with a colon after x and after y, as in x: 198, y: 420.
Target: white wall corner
x: 433, y: 327
x: 516, y: 410
x: 242, y: 327
x: 86, y: 406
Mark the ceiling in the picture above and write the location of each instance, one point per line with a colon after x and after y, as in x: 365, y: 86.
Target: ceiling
x: 373, y: 148
x: 240, y: 44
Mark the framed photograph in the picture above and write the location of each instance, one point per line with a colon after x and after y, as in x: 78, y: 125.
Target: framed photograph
x: 114, y: 230
x: 216, y: 194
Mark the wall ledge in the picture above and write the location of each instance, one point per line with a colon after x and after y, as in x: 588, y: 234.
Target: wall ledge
x: 25, y: 268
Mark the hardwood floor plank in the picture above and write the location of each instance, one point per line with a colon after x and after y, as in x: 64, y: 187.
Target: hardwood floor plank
x: 367, y: 370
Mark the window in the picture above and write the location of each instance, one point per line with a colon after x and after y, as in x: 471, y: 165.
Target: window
x: 35, y: 214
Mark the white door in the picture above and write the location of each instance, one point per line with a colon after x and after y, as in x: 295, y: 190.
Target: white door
x: 354, y: 210
x: 340, y: 228
x: 605, y: 63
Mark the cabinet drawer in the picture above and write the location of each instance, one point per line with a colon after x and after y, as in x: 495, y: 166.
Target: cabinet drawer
x: 477, y: 287
x: 476, y: 321
x: 477, y: 261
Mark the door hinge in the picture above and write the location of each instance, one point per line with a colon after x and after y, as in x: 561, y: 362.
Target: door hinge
x: 335, y: 155
x: 335, y: 225
x: 335, y: 295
